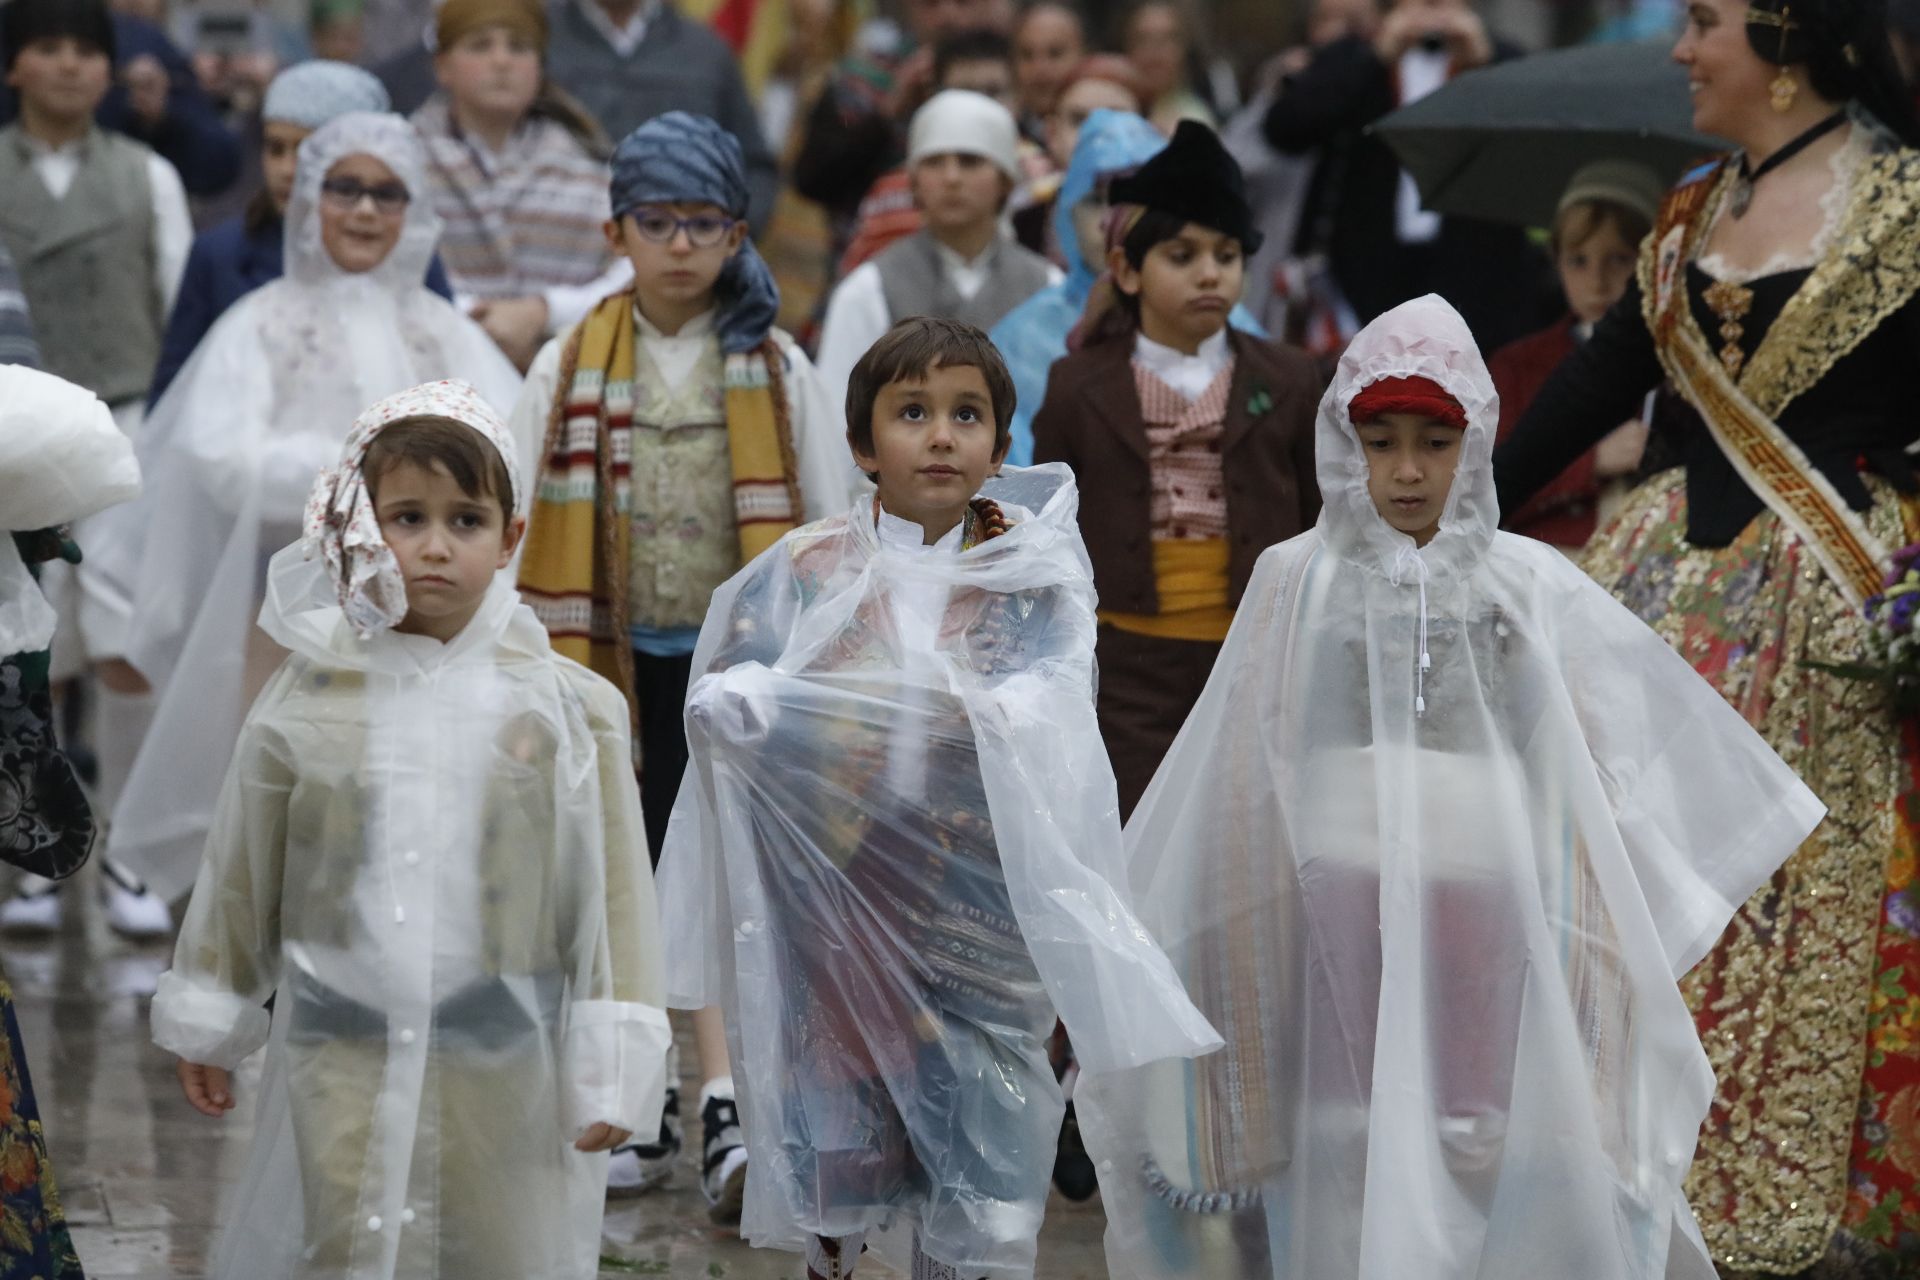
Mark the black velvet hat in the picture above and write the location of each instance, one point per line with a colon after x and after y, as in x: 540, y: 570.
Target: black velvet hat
x: 24, y: 21
x: 1193, y: 178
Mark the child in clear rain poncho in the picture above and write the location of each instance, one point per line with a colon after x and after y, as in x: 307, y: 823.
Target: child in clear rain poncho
x: 429, y: 851
x: 1432, y: 851
x: 896, y: 852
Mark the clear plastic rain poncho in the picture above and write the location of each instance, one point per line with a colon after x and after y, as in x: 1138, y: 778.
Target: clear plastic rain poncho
x: 1442, y: 947
x: 431, y: 856
x: 895, y: 855
x: 229, y: 453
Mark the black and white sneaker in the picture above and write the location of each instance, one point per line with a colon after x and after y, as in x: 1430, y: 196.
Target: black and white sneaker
x: 641, y: 1166
x: 34, y: 908
x: 724, y: 1161
x: 133, y: 910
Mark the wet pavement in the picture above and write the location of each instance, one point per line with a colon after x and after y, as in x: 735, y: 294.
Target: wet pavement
x: 143, y: 1176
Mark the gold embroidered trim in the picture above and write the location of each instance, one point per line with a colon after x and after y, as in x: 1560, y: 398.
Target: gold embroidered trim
x: 1871, y: 271
x: 1731, y: 302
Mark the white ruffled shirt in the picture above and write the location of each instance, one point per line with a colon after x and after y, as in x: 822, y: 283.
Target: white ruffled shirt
x: 1190, y: 375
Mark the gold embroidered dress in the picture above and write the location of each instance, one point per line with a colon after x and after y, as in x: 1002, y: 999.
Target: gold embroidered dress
x: 1751, y: 559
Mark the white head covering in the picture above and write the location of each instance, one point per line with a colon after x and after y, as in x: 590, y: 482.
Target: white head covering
x: 1442, y: 946
x: 341, y: 525
x: 972, y: 124
x: 394, y: 143
x: 310, y: 94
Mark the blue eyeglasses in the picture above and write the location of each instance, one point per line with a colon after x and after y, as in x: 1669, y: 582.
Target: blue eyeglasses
x: 704, y: 230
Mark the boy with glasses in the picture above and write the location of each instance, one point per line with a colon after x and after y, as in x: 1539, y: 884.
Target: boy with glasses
x: 683, y: 435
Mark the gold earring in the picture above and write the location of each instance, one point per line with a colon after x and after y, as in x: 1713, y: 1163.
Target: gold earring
x: 1781, y: 92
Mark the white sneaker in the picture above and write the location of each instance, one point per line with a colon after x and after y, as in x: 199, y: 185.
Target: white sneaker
x: 132, y: 909
x: 35, y: 907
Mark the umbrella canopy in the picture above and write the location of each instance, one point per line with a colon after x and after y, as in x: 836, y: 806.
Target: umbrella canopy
x: 1503, y: 141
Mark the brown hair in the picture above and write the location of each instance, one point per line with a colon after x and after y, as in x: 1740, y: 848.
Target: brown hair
x: 469, y: 457
x: 1584, y: 219
x: 908, y: 350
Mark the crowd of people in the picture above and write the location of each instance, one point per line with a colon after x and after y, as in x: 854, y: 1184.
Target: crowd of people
x: 1082, y: 633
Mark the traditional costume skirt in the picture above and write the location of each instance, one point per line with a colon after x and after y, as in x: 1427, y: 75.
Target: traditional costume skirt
x: 1809, y: 1006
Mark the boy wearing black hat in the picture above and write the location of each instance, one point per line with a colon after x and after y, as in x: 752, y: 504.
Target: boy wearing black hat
x: 1193, y: 443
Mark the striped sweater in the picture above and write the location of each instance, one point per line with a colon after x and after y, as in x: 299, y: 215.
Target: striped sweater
x: 520, y: 222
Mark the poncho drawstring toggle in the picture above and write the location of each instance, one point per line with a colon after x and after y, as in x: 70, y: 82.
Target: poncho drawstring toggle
x: 1409, y: 564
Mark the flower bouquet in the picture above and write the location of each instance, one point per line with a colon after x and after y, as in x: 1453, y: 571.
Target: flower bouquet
x: 1892, y: 657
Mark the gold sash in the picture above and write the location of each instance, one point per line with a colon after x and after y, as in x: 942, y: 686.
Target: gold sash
x: 1772, y: 465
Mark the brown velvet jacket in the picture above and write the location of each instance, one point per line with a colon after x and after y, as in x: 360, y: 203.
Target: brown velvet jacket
x: 1091, y: 421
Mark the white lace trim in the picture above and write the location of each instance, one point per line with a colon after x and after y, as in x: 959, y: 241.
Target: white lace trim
x: 1844, y: 163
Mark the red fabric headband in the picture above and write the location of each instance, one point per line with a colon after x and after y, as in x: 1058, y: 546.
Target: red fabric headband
x: 1423, y: 396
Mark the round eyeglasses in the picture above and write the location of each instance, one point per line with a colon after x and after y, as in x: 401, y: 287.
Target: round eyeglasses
x: 704, y: 230
x: 347, y: 193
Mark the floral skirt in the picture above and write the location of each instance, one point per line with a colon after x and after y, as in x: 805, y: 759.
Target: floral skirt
x: 34, y: 1244
x: 1809, y: 1006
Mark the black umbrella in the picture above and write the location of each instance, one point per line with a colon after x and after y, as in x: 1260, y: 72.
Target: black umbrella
x: 1503, y: 141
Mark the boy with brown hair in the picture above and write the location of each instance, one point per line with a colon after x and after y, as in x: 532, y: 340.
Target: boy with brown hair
x: 893, y: 858
x: 429, y: 851
x: 1606, y: 211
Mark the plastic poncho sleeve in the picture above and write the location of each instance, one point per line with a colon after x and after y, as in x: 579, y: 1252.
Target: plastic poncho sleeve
x: 617, y: 1034
x: 209, y: 1008
x: 1706, y: 810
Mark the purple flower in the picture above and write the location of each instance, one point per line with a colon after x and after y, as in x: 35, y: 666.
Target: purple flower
x: 1901, y: 619
x: 1907, y: 556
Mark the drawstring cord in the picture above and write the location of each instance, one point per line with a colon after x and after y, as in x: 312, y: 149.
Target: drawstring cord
x: 1409, y: 562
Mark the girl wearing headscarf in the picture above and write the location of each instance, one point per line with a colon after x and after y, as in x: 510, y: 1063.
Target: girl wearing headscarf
x: 246, y: 251
x: 428, y: 849
x: 231, y: 448
x: 1779, y: 296
x: 519, y: 178
x: 682, y: 435
x: 1432, y: 852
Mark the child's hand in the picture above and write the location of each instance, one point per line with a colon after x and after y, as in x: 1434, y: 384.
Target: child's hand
x: 601, y: 1137
x: 209, y: 1089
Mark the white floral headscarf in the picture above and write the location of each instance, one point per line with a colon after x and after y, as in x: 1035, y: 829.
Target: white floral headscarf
x: 340, y: 522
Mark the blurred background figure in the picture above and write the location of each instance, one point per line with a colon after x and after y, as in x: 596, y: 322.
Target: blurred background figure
x: 1363, y: 212
x: 1049, y: 41
x: 517, y: 172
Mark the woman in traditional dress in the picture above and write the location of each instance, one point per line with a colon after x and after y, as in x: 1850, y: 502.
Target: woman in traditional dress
x: 1777, y: 293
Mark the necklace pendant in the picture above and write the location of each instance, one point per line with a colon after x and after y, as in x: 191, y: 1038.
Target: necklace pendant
x: 1742, y: 198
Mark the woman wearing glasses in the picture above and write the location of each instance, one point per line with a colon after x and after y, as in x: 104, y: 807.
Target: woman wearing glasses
x: 231, y: 450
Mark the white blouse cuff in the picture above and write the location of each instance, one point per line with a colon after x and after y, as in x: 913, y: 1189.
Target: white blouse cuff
x: 211, y: 1027
x: 616, y: 1066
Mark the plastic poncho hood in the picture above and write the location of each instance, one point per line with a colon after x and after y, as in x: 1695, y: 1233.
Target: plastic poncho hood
x: 894, y: 857
x: 1442, y: 944
x: 231, y: 451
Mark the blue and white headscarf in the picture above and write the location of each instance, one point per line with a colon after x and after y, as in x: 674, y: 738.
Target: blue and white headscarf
x: 682, y: 158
